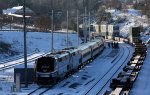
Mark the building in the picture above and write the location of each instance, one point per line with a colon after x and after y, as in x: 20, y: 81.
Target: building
x: 16, y: 13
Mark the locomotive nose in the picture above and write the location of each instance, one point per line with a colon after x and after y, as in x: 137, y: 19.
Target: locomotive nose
x: 45, y: 81
x: 44, y: 67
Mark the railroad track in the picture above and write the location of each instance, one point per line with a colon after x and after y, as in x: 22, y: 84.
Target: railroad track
x: 114, y: 62
x: 8, y: 66
x: 98, y: 93
x: 35, y: 92
x: 105, y: 54
x: 40, y: 91
x: 17, y: 57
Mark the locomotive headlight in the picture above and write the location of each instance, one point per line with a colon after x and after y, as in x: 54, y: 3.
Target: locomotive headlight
x: 43, y: 75
x: 45, y: 70
x: 45, y: 67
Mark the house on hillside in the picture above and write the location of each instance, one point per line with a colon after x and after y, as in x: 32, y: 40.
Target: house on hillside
x: 16, y: 14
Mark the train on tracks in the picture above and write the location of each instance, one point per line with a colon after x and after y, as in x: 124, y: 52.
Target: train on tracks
x: 56, y: 66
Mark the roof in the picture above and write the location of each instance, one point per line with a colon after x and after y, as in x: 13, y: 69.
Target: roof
x: 12, y: 10
x: 17, y: 11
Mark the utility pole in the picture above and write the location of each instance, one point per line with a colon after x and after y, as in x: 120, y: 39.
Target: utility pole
x: 84, y: 21
x: 52, y: 27
x: 89, y: 8
x: 78, y: 25
x: 85, y: 25
x: 52, y: 18
x: 25, y: 45
x: 89, y: 25
x: 67, y: 23
x: 67, y: 29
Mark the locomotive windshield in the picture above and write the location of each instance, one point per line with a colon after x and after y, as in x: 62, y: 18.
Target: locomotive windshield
x: 45, y: 64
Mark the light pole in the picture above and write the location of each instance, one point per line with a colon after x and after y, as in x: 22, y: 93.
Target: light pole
x: 25, y: 45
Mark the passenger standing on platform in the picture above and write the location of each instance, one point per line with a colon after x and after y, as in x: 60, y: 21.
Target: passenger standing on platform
x: 109, y: 44
x: 112, y: 44
x: 117, y: 45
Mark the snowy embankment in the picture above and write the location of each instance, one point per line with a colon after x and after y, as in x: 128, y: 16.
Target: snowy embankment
x: 132, y: 18
x: 36, y: 40
x: 146, y: 36
x: 80, y: 82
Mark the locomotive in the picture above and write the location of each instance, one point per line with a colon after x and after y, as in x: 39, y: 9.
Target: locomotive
x: 56, y: 66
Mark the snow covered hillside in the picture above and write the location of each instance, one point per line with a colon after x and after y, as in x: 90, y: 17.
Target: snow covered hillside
x: 36, y: 40
x: 131, y: 18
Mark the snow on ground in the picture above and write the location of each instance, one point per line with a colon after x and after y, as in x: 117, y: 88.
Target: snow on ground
x: 87, y: 75
x: 132, y: 18
x: 37, y: 40
x: 135, y: 18
x: 142, y: 84
x: 131, y: 21
x: 146, y: 36
x: 134, y: 12
x: 81, y: 81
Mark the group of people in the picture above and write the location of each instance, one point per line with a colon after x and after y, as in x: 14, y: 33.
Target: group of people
x: 113, y: 45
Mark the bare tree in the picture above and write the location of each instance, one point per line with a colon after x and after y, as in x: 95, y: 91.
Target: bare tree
x: 43, y: 23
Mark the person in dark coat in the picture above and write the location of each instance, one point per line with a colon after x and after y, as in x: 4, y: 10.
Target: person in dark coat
x: 117, y: 45
x: 109, y: 44
x: 112, y: 45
